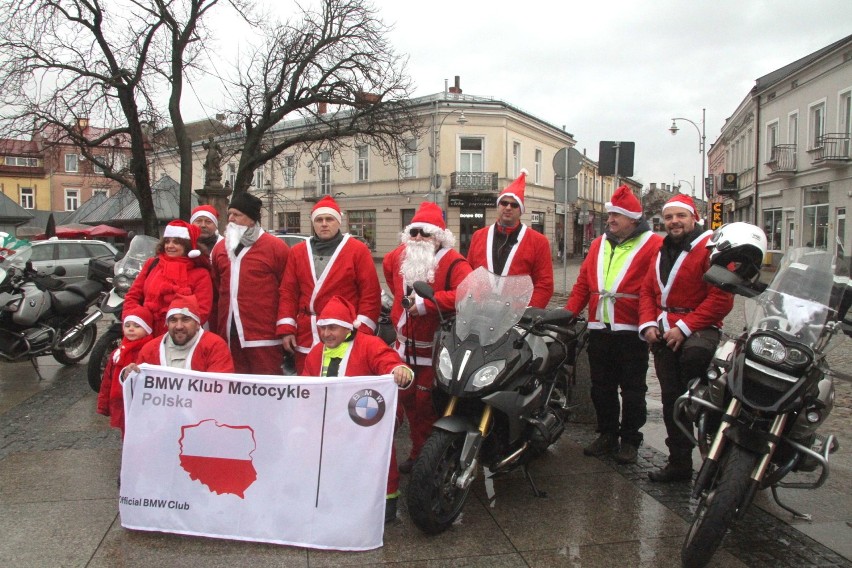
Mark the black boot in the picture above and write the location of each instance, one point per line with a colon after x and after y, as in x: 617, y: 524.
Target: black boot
x: 679, y: 467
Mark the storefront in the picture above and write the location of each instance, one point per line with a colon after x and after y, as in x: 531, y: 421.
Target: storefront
x: 473, y: 215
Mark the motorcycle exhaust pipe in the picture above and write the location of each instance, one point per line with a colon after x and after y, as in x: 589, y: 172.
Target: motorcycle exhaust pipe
x: 86, y: 322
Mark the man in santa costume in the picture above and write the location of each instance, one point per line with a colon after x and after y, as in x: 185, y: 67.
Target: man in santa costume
x: 185, y: 345
x: 328, y: 264
x: 680, y: 316
x: 345, y: 352
x: 248, y: 271
x: 509, y: 247
x: 206, y: 218
x: 426, y: 254
x: 609, y: 282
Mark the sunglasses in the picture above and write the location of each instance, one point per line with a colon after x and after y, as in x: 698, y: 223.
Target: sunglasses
x: 511, y: 204
x: 421, y: 232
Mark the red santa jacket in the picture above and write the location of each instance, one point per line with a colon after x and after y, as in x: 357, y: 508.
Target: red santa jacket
x: 421, y: 328
x: 366, y: 355
x: 530, y: 255
x: 248, y: 287
x: 156, y: 287
x: 111, y: 395
x: 209, y: 354
x: 685, y: 300
x: 622, y: 301
x: 350, y: 273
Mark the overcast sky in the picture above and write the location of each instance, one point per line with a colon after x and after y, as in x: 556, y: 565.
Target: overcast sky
x: 614, y: 70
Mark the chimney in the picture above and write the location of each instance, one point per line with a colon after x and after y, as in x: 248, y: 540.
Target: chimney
x: 653, y: 186
x: 322, y: 107
x: 456, y: 89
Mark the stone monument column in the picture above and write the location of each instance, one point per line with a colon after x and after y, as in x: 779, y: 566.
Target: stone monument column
x: 213, y: 193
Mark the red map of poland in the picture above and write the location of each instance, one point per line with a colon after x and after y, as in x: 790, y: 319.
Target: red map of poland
x: 219, y: 456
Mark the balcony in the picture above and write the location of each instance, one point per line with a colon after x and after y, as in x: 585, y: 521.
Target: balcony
x: 832, y: 149
x: 473, y: 181
x: 314, y: 192
x: 783, y: 160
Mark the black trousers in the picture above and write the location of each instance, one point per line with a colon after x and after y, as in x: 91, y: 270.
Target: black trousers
x: 619, y: 360
x: 675, y: 370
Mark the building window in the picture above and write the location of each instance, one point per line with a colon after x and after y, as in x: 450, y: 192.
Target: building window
x: 70, y: 162
x: 538, y: 166
x: 845, y: 112
x: 409, y: 158
x: 817, y: 125
x: 793, y: 128
x: 324, y: 172
x: 363, y: 163
x: 232, y: 174
x: 96, y: 168
x: 27, y: 200
x: 772, y: 228
x: 815, y: 217
x: 290, y: 171
x: 363, y: 224
x: 516, y: 159
x: 72, y: 199
x: 470, y: 154
x: 771, y: 140
x: 21, y: 161
x: 406, y: 216
x: 257, y: 178
x: 289, y: 221
x: 104, y: 192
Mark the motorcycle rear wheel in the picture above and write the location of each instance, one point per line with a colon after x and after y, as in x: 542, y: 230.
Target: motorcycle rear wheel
x: 76, y: 350
x: 108, y: 343
x: 716, y: 510
x: 434, y: 500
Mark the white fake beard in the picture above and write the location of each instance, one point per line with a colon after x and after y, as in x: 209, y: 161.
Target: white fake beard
x: 233, y: 234
x: 419, y: 263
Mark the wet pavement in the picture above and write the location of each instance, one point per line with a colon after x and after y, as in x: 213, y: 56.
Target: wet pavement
x: 58, y: 500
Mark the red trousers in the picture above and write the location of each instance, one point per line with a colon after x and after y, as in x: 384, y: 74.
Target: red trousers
x: 256, y: 360
x: 415, y: 403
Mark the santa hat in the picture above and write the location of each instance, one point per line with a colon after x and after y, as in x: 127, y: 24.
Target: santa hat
x: 327, y: 206
x: 516, y: 189
x: 141, y: 316
x: 180, y: 229
x: 624, y: 202
x: 247, y: 204
x: 205, y: 211
x: 184, y: 305
x: 338, y: 311
x: 684, y: 201
x: 430, y: 218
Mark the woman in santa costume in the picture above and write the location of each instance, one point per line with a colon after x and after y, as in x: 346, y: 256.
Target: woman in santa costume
x: 345, y: 352
x: 426, y: 254
x: 508, y: 247
x: 179, y: 268
x: 328, y: 264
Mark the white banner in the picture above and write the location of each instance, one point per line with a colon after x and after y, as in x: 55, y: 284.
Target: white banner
x: 289, y: 460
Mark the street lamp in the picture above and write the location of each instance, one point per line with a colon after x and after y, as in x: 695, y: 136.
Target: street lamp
x: 691, y: 185
x: 702, y: 148
x: 434, y: 150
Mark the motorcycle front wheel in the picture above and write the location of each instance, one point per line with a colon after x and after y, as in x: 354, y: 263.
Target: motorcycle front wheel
x: 716, y: 510
x: 76, y: 350
x: 434, y: 500
x: 108, y: 343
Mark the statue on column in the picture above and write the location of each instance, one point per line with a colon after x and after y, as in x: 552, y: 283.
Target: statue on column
x: 212, y: 163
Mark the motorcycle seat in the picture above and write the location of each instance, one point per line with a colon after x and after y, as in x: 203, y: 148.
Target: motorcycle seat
x: 65, y: 302
x: 88, y: 289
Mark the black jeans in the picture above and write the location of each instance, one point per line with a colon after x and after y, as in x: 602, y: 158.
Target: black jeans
x: 619, y: 360
x: 675, y: 370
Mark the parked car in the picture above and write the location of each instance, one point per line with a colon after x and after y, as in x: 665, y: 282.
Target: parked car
x: 72, y: 254
x: 292, y: 239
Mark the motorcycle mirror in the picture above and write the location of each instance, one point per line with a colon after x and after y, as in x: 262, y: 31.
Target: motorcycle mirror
x: 424, y: 290
x: 728, y: 281
x: 59, y: 271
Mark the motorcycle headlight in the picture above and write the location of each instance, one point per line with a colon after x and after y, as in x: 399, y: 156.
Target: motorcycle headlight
x: 767, y: 348
x: 445, y: 366
x: 486, y: 375
x: 122, y: 284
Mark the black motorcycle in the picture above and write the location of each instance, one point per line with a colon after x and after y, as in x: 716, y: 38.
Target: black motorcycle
x: 507, y: 370
x: 41, y: 315
x: 765, y: 395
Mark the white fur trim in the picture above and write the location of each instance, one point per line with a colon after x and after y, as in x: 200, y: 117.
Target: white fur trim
x: 513, y: 196
x: 182, y: 311
x: 204, y: 214
x: 140, y: 322
x: 680, y: 204
x: 327, y: 211
x: 175, y: 232
x: 194, y: 253
x: 525, y: 171
x: 610, y: 208
x: 429, y: 227
x: 332, y: 321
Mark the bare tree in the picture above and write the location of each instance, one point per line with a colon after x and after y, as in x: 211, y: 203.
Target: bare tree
x: 335, y: 74
x: 70, y: 59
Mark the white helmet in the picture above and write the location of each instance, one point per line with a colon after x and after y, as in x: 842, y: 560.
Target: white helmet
x: 741, y: 243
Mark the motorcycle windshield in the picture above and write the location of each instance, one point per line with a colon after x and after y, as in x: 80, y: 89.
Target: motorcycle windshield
x: 489, y: 305
x: 799, y: 300
x: 141, y: 248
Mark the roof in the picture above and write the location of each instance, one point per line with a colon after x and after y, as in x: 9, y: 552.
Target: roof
x: 123, y: 207
x: 197, y: 130
x: 86, y: 208
x: 779, y: 74
x: 15, y: 147
x: 11, y: 212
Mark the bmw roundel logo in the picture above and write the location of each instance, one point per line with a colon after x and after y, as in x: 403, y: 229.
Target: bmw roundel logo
x: 366, y: 407
x: 32, y: 303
